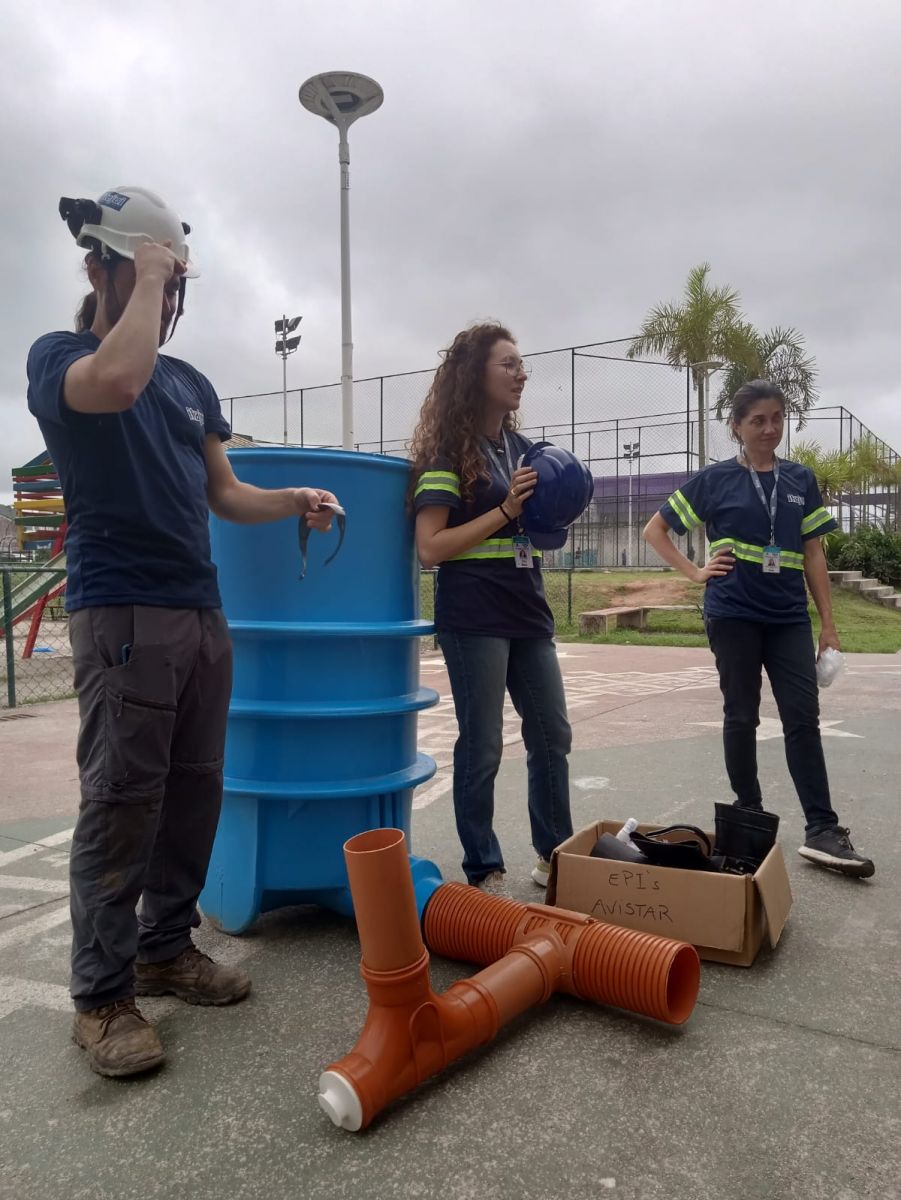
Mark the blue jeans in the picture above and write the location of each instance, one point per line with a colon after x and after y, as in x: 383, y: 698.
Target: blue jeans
x: 481, y: 670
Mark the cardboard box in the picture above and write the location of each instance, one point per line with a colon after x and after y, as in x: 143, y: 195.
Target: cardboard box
x: 726, y: 917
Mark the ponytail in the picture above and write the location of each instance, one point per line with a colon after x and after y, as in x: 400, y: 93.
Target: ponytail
x: 84, y: 318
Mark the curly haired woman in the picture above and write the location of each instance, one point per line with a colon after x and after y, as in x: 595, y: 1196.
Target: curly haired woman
x: 494, y: 625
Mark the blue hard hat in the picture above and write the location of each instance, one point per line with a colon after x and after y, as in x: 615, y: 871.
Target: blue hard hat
x: 565, y: 487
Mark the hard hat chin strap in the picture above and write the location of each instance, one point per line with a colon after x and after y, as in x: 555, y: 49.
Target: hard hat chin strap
x: 182, y: 287
x: 303, y: 535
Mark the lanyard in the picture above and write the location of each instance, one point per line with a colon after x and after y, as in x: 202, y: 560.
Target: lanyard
x: 504, y: 467
x: 769, y: 508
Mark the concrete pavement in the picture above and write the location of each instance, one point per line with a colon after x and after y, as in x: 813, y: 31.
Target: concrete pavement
x: 786, y: 1082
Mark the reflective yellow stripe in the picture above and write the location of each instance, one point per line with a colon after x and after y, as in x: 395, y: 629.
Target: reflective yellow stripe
x: 749, y: 553
x: 490, y: 549
x: 814, y: 520
x: 684, y: 511
x: 439, y: 481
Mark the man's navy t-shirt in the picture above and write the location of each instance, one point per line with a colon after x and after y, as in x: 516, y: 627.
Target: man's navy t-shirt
x: 134, y: 482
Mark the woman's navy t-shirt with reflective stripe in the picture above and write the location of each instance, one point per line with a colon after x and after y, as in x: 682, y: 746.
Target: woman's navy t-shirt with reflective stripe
x: 723, y: 498
x: 483, y: 591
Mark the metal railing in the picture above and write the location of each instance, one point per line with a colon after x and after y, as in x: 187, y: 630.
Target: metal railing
x: 44, y: 671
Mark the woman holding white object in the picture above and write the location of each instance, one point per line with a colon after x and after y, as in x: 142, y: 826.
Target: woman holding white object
x: 764, y: 520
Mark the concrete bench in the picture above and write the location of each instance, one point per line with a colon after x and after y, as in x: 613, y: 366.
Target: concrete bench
x: 604, y: 620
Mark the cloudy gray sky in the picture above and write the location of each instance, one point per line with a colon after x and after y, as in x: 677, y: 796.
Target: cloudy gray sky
x: 559, y: 166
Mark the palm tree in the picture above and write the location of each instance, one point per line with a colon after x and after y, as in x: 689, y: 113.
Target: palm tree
x: 707, y: 325
x: 832, y: 469
x: 782, y: 360
x: 842, y: 474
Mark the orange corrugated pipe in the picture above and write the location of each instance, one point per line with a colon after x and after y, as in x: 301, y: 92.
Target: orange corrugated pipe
x: 625, y: 968
x: 412, y: 1033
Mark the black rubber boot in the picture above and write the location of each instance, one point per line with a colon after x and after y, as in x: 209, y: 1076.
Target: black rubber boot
x: 745, y: 834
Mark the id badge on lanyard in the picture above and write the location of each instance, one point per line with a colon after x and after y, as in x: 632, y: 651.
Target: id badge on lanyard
x: 522, y: 552
x: 772, y: 554
x: 522, y: 547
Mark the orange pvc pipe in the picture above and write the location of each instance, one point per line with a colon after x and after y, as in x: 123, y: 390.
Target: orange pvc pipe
x: 379, y: 874
x: 411, y: 1032
x: 624, y: 968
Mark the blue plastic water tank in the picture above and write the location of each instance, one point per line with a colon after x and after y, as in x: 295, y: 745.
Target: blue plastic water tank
x: 322, y: 723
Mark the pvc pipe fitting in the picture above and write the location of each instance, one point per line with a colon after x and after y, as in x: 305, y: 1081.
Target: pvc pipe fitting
x: 412, y: 1033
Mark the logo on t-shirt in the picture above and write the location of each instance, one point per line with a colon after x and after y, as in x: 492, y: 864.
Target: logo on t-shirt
x: 195, y: 414
x: 793, y: 499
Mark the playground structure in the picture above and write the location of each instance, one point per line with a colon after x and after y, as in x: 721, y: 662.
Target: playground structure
x: 40, y: 520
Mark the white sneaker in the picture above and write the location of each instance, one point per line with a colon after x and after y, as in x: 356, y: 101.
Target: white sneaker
x: 495, y: 885
x: 541, y: 872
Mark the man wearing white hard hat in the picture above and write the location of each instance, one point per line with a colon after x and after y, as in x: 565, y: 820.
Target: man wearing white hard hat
x: 137, y: 439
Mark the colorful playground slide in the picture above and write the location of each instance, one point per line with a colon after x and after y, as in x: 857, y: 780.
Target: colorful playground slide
x: 40, y: 519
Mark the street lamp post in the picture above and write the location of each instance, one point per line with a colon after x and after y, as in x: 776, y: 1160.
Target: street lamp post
x: 631, y: 451
x: 702, y: 372
x: 283, y: 347
x: 342, y: 97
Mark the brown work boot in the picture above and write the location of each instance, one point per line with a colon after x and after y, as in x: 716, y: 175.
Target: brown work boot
x: 118, y: 1040
x: 194, y: 977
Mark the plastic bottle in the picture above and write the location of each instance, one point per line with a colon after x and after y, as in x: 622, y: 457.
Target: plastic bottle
x: 830, y: 665
x: 625, y: 834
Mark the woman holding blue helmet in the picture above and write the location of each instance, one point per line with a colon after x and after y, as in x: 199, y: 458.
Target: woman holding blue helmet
x: 469, y: 494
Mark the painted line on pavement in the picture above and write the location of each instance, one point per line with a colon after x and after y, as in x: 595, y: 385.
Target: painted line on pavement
x: 439, y: 788
x: 55, y: 839
x: 30, y: 883
x: 16, y: 994
x: 34, y: 927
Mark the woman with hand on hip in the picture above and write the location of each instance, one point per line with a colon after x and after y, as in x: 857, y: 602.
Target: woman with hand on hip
x: 493, y: 622
x: 764, y: 518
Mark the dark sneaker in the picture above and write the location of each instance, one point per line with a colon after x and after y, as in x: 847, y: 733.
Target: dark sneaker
x: 117, y: 1039
x: 832, y: 848
x: 194, y: 977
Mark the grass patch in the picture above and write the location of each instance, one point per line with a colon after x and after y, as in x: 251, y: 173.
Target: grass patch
x: 864, y: 628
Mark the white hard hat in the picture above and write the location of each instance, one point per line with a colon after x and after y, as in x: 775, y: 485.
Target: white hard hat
x: 123, y: 219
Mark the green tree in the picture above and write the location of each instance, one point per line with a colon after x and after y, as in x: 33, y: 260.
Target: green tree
x: 707, y: 325
x: 780, y: 358
x: 832, y: 469
x: 841, y: 474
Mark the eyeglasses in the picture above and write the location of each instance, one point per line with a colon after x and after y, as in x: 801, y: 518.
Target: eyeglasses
x: 516, y: 366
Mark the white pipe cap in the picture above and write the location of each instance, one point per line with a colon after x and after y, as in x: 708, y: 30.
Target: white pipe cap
x: 339, y: 1101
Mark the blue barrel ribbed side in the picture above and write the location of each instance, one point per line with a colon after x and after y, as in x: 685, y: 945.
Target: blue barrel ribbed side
x: 322, y: 723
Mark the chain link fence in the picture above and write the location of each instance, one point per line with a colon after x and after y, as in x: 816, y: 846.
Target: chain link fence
x: 634, y: 423
x: 35, y: 656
